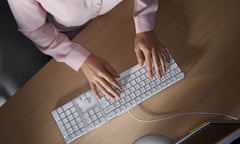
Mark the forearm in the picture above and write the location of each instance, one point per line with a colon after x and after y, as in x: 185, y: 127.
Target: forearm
x: 144, y: 14
x: 51, y: 42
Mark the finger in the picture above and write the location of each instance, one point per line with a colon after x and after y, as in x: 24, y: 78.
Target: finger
x: 147, y: 55
x: 94, y: 89
x: 104, y: 91
x: 111, y: 80
x: 108, y: 87
x: 162, y: 64
x: 140, y: 56
x: 156, y: 63
x: 111, y: 70
x: 166, y: 54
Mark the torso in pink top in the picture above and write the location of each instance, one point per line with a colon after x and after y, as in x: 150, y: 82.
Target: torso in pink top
x: 31, y: 17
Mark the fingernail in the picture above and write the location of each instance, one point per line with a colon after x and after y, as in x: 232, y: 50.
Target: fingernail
x: 150, y: 76
x: 115, y: 95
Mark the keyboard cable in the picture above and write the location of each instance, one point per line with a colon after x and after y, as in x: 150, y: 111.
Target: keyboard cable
x: 180, y: 114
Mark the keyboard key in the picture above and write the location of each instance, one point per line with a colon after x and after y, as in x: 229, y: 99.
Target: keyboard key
x: 167, y: 76
x: 147, y: 81
x: 73, y: 109
x: 88, y: 120
x: 133, y: 82
x: 109, y: 108
x: 96, y: 123
x: 83, y: 130
x: 70, y: 117
x: 73, y: 123
x: 62, y: 115
x: 78, y: 132
x: 173, y: 66
x: 91, y: 125
x: 67, y: 126
x: 142, y: 83
x: 59, y: 110
x: 68, y: 112
x: 62, y: 128
x: 65, y: 120
x: 94, y: 117
x: 111, y: 115
x: 137, y: 93
x: 67, y: 106
x: 132, y: 95
x: 101, y: 120
x: 177, y: 70
x: 70, y: 130
x: 122, y: 81
x: 142, y: 71
x: 133, y: 102
x: 104, y: 103
x: 127, y: 98
x: 75, y: 115
x: 86, y: 115
x: 138, y: 80
x: 56, y: 116
x: 128, y: 85
x: 64, y: 133
x: 133, y: 77
x: 80, y: 125
x: 117, y: 111
x: 127, y: 92
x: 137, y: 74
x: 91, y: 112
x: 96, y: 109
x: 142, y: 90
x: 99, y: 114
x: 172, y: 73
x: 180, y: 76
x: 116, y: 103
x: 122, y: 107
x: 73, y: 135
x: 78, y: 119
x: 75, y: 128
x: 122, y: 101
x: 128, y: 105
x: 143, y: 77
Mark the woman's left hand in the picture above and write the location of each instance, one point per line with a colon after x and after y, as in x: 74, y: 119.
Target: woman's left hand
x: 148, y: 49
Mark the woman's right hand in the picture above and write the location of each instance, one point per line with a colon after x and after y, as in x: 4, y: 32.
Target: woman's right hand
x: 101, y: 76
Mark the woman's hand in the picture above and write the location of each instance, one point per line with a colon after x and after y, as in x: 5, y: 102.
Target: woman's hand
x: 101, y: 76
x: 148, y: 49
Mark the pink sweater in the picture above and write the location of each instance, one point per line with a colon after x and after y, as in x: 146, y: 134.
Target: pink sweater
x: 31, y: 17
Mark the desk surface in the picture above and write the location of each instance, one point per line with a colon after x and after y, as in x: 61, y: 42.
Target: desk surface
x: 203, y: 37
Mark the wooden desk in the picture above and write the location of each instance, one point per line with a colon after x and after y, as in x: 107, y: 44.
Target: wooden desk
x: 202, y: 35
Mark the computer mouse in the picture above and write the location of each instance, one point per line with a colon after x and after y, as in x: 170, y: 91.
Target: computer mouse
x: 153, y: 139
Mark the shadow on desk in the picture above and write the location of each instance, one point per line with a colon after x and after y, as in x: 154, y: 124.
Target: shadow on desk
x: 19, y: 58
x: 177, y: 33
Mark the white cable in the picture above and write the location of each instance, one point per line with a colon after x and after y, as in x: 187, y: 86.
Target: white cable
x: 181, y: 114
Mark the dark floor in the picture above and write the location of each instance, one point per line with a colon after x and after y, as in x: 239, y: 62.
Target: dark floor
x: 19, y: 58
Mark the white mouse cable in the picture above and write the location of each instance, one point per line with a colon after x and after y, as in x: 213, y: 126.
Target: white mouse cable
x: 181, y: 114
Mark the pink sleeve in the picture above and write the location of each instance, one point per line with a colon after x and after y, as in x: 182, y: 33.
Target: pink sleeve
x: 31, y: 19
x: 144, y: 14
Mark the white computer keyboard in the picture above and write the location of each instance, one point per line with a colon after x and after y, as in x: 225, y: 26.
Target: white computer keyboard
x: 86, y: 112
